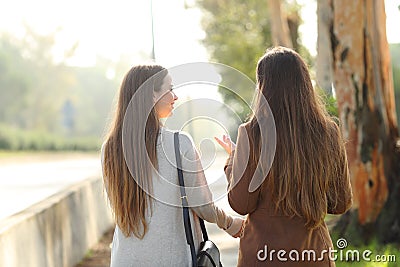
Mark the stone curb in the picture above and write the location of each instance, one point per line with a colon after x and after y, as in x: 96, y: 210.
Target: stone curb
x: 58, y: 231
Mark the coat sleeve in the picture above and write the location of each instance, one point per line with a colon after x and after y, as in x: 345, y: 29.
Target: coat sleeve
x: 199, y: 195
x: 239, y: 170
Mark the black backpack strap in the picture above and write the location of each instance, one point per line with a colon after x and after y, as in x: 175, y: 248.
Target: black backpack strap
x: 186, y: 217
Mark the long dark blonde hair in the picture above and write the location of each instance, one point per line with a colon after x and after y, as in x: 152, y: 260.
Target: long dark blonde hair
x: 135, y: 120
x: 310, y: 151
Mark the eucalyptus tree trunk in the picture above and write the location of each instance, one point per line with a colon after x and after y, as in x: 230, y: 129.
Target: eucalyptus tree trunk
x: 324, y: 46
x: 365, y: 95
x: 279, y: 24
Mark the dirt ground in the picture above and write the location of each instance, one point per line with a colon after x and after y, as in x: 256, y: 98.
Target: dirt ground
x: 99, y: 255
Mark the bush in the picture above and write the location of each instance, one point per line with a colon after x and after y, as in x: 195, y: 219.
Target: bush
x: 329, y: 102
x: 18, y: 139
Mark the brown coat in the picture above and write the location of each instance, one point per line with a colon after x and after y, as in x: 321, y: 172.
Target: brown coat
x: 265, y: 230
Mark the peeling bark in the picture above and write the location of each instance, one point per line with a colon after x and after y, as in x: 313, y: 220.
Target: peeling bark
x: 365, y: 96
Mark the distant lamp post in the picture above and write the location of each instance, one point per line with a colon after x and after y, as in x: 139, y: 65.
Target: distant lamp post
x: 153, y: 54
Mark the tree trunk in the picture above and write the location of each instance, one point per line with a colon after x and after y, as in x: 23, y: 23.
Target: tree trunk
x: 293, y: 21
x: 324, y: 46
x: 279, y: 25
x: 365, y: 96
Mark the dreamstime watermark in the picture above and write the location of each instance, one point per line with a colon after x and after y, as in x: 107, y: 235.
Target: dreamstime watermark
x: 310, y: 255
x: 187, y: 79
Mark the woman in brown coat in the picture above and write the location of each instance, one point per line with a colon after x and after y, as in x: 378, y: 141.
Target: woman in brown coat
x: 305, y: 179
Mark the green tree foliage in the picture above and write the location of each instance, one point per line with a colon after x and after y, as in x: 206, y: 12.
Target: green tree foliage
x: 395, y: 57
x: 237, y: 34
x: 13, y: 82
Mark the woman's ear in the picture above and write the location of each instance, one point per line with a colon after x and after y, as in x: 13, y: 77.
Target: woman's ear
x: 156, y: 96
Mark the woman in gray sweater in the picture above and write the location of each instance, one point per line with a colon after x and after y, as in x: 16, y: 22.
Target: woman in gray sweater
x: 141, y: 181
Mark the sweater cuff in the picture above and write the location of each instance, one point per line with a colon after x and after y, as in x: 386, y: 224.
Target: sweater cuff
x: 229, y: 161
x: 235, y: 226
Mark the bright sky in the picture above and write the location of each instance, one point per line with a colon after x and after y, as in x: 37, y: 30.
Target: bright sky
x: 112, y: 28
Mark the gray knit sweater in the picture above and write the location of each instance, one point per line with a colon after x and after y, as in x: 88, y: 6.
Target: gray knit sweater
x: 165, y: 243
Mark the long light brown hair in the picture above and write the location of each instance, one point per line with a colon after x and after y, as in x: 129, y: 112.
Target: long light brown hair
x: 131, y: 140
x: 310, y: 152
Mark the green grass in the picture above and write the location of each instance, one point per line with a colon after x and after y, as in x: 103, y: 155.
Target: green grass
x: 390, y: 252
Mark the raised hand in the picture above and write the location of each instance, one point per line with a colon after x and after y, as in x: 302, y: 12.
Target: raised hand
x: 226, y: 143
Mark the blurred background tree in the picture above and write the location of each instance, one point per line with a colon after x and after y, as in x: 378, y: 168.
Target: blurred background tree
x: 46, y: 104
x: 324, y: 46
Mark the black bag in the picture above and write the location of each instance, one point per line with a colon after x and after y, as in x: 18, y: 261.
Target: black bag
x: 208, y: 255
